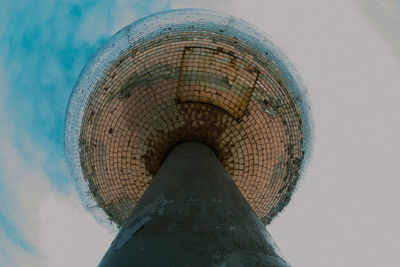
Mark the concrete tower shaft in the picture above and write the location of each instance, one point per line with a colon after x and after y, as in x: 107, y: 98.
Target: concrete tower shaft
x: 192, y: 214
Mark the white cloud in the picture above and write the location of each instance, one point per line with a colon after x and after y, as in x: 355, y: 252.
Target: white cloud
x: 124, y: 13
x: 12, y: 254
x: 220, y: 5
x: 54, y: 223
x: 61, y: 232
x: 69, y: 235
x: 384, y: 16
x: 105, y: 19
x: 95, y: 23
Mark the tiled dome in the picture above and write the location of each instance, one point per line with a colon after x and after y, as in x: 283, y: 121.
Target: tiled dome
x: 187, y: 75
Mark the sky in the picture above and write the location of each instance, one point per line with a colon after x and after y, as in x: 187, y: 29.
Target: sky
x: 345, y: 210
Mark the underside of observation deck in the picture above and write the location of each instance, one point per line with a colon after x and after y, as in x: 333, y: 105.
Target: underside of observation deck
x: 191, y: 84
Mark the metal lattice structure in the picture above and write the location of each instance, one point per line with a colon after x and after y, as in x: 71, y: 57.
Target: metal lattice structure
x: 187, y: 75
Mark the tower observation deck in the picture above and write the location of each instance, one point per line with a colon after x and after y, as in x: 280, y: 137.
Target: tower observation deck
x: 168, y: 106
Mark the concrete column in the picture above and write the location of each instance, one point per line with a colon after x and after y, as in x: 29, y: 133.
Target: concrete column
x: 192, y: 214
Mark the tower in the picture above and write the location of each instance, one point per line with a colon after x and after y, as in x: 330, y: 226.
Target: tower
x: 188, y: 130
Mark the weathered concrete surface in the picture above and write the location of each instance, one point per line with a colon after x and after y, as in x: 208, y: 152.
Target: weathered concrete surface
x: 192, y: 214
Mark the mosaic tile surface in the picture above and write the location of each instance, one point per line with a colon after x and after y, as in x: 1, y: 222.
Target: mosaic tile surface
x: 186, y: 75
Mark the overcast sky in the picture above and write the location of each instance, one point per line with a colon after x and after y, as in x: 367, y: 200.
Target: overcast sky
x: 345, y: 211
